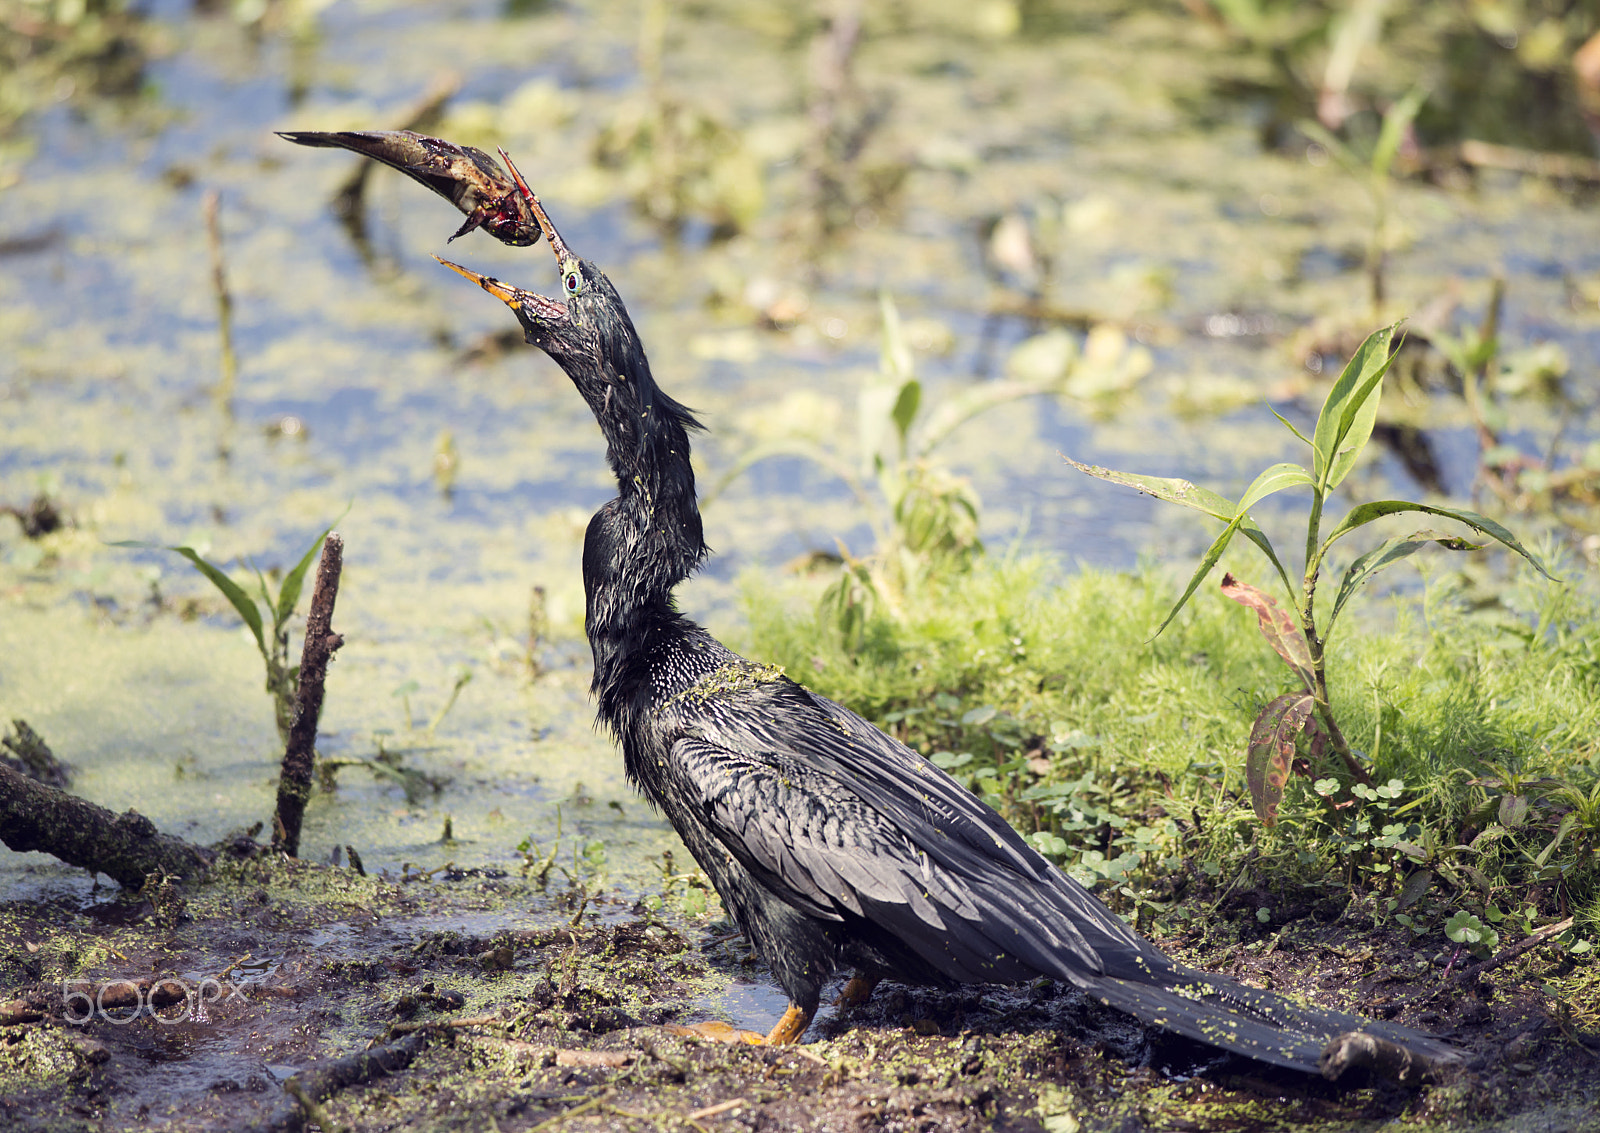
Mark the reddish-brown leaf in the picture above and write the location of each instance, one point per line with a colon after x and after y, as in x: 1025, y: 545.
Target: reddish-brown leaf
x: 1277, y: 626
x: 1271, y: 752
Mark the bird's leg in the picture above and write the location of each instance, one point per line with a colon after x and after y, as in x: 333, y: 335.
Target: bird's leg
x: 856, y: 992
x: 789, y: 1029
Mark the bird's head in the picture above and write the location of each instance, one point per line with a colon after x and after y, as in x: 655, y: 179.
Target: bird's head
x: 572, y: 327
x: 588, y: 333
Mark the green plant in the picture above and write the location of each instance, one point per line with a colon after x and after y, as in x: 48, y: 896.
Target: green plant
x: 271, y: 632
x: 924, y: 519
x: 1342, y: 430
x: 1374, y: 172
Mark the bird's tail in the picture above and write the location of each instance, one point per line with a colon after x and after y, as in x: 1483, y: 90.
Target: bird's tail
x: 1268, y: 1027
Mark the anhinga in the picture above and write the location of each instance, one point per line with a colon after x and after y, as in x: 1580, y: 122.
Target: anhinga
x: 831, y: 843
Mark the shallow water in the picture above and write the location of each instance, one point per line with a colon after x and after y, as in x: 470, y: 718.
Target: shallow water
x: 1169, y: 220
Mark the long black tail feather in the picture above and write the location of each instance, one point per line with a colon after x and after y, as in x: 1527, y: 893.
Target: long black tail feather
x: 1268, y: 1027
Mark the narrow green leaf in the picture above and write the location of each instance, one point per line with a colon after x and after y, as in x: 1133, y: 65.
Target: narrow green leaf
x: 905, y: 408
x: 1270, y: 753
x: 1177, y: 491
x: 1329, y: 141
x: 1395, y: 121
x: 1290, y: 425
x: 1213, y: 553
x: 1171, y: 489
x: 1347, y: 417
x: 232, y: 591
x: 1366, y: 513
x: 896, y: 359
x: 1274, y: 479
x: 1386, y: 555
x: 294, y: 581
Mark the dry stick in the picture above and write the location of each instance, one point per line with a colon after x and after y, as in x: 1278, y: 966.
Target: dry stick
x: 291, y: 1112
x: 831, y: 85
x: 124, y: 847
x: 1527, y: 943
x: 294, y: 782
x: 219, y: 283
x: 1467, y: 975
x: 1556, y: 166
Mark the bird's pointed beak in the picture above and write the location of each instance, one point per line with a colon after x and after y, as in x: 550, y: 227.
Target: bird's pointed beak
x: 552, y: 237
x: 525, y: 303
x: 511, y: 296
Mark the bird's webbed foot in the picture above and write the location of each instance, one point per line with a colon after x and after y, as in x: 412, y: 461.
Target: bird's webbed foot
x: 856, y: 992
x: 789, y: 1029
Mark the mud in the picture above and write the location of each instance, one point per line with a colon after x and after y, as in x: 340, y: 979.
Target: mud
x: 540, y: 1006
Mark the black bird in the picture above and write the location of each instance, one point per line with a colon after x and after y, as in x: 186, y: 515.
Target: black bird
x: 832, y: 844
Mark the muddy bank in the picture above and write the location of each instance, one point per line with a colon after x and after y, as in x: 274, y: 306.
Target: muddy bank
x: 528, y: 1006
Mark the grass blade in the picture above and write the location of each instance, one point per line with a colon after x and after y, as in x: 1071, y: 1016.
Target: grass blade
x: 1347, y: 417
x: 289, y: 592
x: 1366, y: 513
x: 232, y: 591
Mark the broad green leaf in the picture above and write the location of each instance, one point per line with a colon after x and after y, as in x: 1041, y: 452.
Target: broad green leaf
x: 1270, y: 753
x: 1277, y: 626
x: 1369, y: 564
x: 1366, y: 513
x: 1274, y: 479
x: 232, y: 591
x: 1347, y: 417
x: 289, y: 592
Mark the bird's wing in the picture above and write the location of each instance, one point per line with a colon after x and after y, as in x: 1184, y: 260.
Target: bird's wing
x: 838, y: 818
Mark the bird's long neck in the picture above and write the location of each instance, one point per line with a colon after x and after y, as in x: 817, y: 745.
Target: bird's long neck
x: 648, y: 539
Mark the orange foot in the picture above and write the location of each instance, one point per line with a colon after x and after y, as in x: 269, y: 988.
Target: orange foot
x: 855, y: 993
x: 789, y: 1029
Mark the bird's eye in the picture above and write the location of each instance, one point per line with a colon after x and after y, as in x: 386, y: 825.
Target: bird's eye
x: 572, y: 281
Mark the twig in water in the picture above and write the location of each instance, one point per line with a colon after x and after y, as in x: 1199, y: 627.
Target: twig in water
x: 219, y: 283
x: 291, y: 1114
x: 294, y: 782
